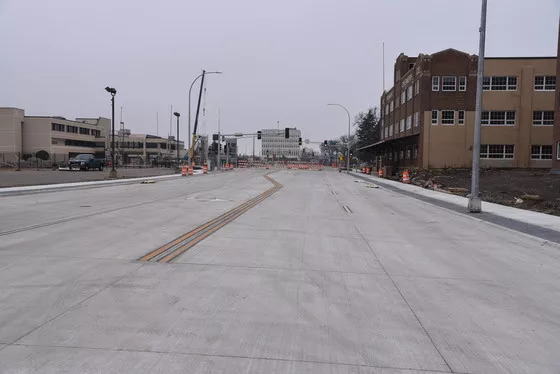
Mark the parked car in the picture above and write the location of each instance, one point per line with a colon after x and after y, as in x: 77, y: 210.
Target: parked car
x: 86, y: 162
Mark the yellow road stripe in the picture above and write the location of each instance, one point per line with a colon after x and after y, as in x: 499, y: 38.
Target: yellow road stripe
x: 190, y: 244
x: 233, y: 212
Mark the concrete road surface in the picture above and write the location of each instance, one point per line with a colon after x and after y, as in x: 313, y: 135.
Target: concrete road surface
x: 324, y: 276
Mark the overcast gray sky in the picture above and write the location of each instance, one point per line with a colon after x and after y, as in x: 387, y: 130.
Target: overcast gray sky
x: 282, y: 60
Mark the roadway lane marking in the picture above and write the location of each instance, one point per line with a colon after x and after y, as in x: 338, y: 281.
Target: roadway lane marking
x: 347, y: 209
x: 178, y: 246
x: 333, y: 192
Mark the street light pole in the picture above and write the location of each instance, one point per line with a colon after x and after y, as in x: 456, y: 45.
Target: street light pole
x: 113, y: 92
x: 475, y: 204
x: 348, y: 143
x: 189, y: 119
x: 177, y: 114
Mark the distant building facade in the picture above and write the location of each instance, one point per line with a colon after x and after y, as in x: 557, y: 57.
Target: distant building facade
x: 275, y: 145
x: 25, y: 136
x: 427, y: 117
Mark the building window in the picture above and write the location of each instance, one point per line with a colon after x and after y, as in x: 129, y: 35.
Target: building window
x: 386, y: 132
x: 57, y: 127
x: 543, y: 118
x: 409, y: 93
x: 498, y: 118
x: 497, y: 151
x: 434, y: 117
x: 409, y: 122
x: 499, y: 83
x: 72, y: 129
x: 449, y: 83
x: 391, y: 130
x: 462, y: 83
x: 447, y: 117
x: 415, y: 152
x: 416, y: 119
x: 417, y: 87
x: 96, y: 133
x: 461, y: 118
x: 401, y: 127
x: 408, y: 153
x: 387, y: 109
x: 541, y: 152
x: 401, y: 154
x: 84, y: 131
x: 435, y: 83
x: 391, y: 105
x: 403, y: 97
x: 558, y: 151
x: 545, y: 83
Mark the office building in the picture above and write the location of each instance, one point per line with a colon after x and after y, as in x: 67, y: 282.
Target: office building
x: 556, y: 135
x: 57, y: 137
x: 427, y: 117
x: 276, y: 146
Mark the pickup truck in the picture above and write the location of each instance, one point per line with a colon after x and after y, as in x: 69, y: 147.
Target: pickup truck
x: 86, y: 162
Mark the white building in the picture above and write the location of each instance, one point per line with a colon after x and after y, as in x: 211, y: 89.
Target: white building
x: 275, y: 145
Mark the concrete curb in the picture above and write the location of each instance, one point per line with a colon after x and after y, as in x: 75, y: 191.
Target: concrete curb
x: 45, y: 188
x: 528, y: 217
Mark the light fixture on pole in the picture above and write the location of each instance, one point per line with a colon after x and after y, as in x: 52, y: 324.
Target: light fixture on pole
x: 204, y: 72
x: 113, y: 92
x: 348, y: 143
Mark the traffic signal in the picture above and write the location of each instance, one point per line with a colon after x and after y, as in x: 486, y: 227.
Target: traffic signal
x: 215, y: 137
x: 259, y: 135
x: 287, y: 133
x: 225, y: 148
x: 325, y: 143
x: 299, y: 141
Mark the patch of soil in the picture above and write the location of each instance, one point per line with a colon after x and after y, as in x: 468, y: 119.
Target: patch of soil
x: 532, y: 189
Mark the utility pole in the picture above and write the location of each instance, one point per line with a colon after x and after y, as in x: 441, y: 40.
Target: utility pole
x: 475, y: 204
x: 219, y: 142
x: 176, y: 114
x: 253, y: 149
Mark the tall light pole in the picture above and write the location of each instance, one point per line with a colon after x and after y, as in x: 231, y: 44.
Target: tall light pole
x: 348, y: 143
x: 177, y: 114
x: 113, y: 92
x: 475, y: 204
x: 189, y: 119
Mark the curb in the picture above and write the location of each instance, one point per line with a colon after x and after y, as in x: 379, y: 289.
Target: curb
x: 46, y: 188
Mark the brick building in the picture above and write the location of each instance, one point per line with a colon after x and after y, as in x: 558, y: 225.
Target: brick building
x: 556, y: 143
x: 428, y: 115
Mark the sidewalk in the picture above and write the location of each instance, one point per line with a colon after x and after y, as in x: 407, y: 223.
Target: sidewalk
x: 26, y: 190
x: 528, y: 221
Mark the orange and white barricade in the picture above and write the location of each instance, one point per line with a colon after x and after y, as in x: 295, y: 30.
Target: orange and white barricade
x: 184, y: 171
x: 405, y: 177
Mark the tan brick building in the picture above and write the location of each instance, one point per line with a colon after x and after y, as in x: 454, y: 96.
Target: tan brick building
x: 428, y: 115
x: 556, y: 135
x: 59, y: 137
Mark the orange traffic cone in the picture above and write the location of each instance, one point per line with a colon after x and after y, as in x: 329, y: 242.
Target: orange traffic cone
x: 405, y: 177
x: 184, y: 171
